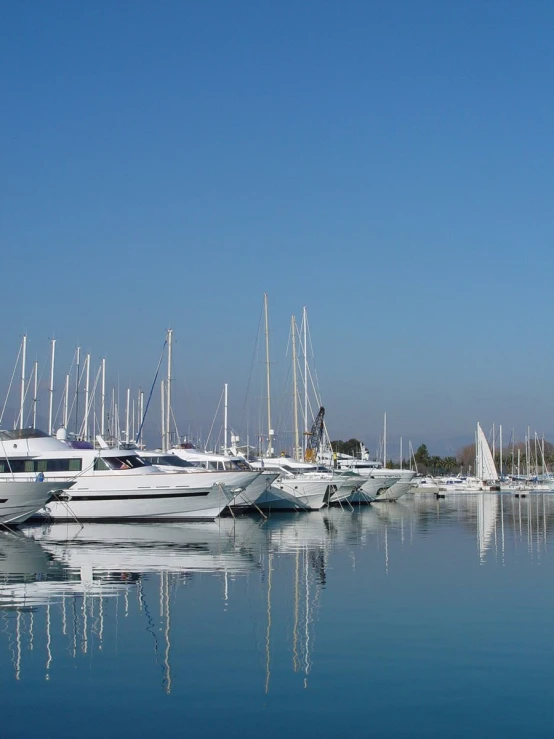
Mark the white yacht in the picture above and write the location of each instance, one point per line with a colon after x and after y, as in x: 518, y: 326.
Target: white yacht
x: 302, y: 485
x: 424, y: 484
x: 20, y: 499
x: 115, y: 483
x: 381, y: 483
x: 259, y: 492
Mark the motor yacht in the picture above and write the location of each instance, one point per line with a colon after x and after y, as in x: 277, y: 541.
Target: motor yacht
x: 303, y: 486
x: 20, y: 499
x: 381, y: 483
x: 115, y: 483
x: 258, y: 493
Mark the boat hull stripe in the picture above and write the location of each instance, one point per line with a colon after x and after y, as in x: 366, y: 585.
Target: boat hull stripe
x: 156, y: 496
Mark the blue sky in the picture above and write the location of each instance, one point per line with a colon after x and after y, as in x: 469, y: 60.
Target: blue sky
x: 386, y: 164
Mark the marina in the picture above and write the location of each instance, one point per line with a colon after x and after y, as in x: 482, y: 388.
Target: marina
x: 220, y: 518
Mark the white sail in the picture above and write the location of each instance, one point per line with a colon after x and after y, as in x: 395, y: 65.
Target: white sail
x: 486, y: 469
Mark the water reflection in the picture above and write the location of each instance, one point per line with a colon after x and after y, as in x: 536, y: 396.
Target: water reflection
x: 68, y: 590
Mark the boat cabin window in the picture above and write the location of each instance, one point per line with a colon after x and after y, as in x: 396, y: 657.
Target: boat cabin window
x: 16, y: 434
x: 242, y: 465
x: 40, y: 465
x: 122, y: 462
x: 168, y: 460
x: 229, y: 465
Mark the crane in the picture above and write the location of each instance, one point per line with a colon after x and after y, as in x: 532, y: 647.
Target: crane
x: 315, y: 437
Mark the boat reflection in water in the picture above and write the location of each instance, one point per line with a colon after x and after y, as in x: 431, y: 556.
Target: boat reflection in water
x: 68, y: 591
x: 74, y: 571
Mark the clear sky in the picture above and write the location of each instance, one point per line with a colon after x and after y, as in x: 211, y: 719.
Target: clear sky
x: 387, y: 164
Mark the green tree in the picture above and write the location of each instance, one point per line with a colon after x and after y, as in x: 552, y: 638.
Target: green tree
x: 352, y: 446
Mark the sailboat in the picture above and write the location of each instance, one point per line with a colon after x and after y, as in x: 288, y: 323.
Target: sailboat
x: 486, y: 477
x: 293, y: 489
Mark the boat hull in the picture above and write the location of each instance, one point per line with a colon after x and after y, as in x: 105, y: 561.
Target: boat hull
x: 293, y: 494
x: 169, y: 503
x: 19, y: 500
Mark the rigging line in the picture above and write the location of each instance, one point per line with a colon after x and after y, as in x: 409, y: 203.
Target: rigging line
x: 90, y: 402
x: 177, y: 435
x: 60, y: 405
x: 11, y: 382
x: 139, y: 432
x: 316, y: 391
x: 42, y: 366
x: 70, y: 410
x: 254, y: 354
x: 214, y: 419
x: 31, y: 378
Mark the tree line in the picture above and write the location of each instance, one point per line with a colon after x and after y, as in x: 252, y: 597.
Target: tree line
x: 540, y: 455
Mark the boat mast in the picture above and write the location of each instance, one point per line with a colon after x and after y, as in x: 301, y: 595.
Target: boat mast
x: 305, y: 435
x: 127, y: 416
x: 23, y: 361
x: 385, y: 440
x: 400, y: 452
x: 528, y: 451
x: 77, y: 380
x: 87, y: 395
x: 162, y: 389
x: 225, y: 447
x: 268, y: 382
x: 500, y: 445
x: 477, y: 452
x: 141, y: 411
x: 66, y: 403
x: 35, y: 393
x: 51, y: 396
x: 103, y: 398
x: 295, y: 389
x: 114, y: 420
x: 168, y: 414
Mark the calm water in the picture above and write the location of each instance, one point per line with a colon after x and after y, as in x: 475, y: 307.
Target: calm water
x: 416, y: 619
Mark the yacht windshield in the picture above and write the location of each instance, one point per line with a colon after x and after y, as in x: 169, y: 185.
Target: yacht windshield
x: 168, y: 460
x: 227, y: 465
x: 124, y: 462
x: 15, y: 434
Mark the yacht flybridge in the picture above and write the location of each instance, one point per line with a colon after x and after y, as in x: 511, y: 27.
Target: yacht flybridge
x: 114, y: 483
